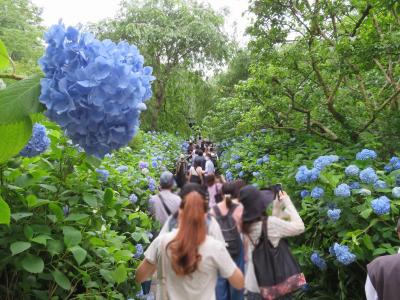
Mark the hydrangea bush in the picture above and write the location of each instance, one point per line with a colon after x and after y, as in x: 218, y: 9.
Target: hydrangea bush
x: 349, y: 203
x: 79, y: 225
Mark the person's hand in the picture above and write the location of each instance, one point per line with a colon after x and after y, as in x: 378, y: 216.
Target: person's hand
x: 281, y: 195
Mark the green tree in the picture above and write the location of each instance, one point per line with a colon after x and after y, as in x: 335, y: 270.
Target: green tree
x: 176, y: 37
x: 329, y: 68
x: 21, y: 32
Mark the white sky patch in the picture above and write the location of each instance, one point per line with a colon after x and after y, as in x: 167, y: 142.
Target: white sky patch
x: 74, y: 12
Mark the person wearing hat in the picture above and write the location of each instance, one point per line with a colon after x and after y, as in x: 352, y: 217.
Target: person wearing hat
x: 165, y: 203
x: 284, y: 222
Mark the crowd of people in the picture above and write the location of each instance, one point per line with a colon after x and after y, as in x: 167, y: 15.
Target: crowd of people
x: 218, y: 242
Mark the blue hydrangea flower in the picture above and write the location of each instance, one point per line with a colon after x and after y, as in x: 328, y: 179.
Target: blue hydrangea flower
x: 265, y: 158
x: 263, y: 130
x: 304, y: 175
x: 152, y: 184
x: 103, y: 174
x: 304, y: 193
x: 317, y: 192
x: 259, y: 161
x: 368, y: 176
x: 366, y: 154
x: 380, y: 184
x: 394, y: 164
x: 323, y: 161
x: 381, y: 205
x: 256, y: 174
x: 342, y: 190
x: 122, y: 169
x: 334, y: 214
x: 352, y: 170
x: 154, y: 164
x: 238, y: 166
x: 343, y: 254
x: 229, y: 175
x: 38, y: 143
x: 354, y: 185
x: 143, y: 165
x: 95, y: 90
x: 396, y: 192
x: 317, y: 260
x: 133, y: 198
x: 236, y: 157
x: 225, y: 165
x: 241, y: 174
x: 139, y: 251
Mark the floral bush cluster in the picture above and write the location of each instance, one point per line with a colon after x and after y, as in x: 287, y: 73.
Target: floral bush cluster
x: 349, y: 203
x: 79, y: 225
x: 95, y: 90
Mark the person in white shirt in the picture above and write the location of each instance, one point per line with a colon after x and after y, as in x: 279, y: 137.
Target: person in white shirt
x: 210, y: 169
x: 284, y: 222
x: 187, y: 260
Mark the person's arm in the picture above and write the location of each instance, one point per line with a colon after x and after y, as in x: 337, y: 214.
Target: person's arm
x: 279, y: 228
x: 144, y: 271
x: 370, y: 292
x: 237, y: 279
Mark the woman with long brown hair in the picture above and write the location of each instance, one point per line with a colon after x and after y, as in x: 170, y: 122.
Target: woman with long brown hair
x: 188, y: 258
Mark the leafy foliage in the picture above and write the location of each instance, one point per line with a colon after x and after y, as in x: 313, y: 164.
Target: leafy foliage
x: 71, y: 234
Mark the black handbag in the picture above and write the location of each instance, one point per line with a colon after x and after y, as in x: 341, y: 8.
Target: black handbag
x: 277, y: 271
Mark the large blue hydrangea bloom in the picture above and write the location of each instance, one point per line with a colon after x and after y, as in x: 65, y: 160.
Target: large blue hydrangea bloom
x: 317, y: 260
x: 343, y: 254
x: 304, y: 193
x: 139, y: 251
x: 38, y: 143
x: 352, y: 170
x: 394, y: 164
x: 229, y: 175
x: 95, y: 90
x: 317, y: 192
x: 354, y: 185
x: 334, y: 214
x: 342, y: 190
x: 366, y: 154
x: 368, y: 176
x: 238, y: 166
x: 323, y: 161
x: 380, y: 184
x: 304, y: 175
x: 381, y: 205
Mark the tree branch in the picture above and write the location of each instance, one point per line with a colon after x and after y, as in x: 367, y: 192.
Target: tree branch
x: 359, y: 22
x: 11, y: 76
x: 379, y: 109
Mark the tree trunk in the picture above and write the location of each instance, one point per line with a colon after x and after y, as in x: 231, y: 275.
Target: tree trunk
x: 159, y: 100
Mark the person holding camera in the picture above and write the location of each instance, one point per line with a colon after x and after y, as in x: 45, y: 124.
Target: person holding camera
x: 284, y: 222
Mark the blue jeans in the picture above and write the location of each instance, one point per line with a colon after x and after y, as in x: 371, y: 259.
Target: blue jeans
x: 224, y: 291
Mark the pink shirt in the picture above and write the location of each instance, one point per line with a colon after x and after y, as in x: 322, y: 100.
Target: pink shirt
x: 212, y: 191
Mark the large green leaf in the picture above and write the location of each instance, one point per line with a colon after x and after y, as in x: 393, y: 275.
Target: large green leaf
x: 61, y: 279
x: 18, y: 247
x: 79, y: 254
x: 19, y: 100
x: 4, y: 61
x: 72, y: 236
x: 5, y: 213
x: 33, y: 263
x: 120, y: 274
x: 13, y: 138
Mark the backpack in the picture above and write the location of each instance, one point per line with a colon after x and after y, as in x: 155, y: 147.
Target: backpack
x: 229, y: 230
x: 277, y: 271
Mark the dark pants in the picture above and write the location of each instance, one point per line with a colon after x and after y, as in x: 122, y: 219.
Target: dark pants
x: 224, y: 291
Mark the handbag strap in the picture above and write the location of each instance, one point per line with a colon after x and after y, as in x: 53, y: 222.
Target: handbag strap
x: 168, y: 211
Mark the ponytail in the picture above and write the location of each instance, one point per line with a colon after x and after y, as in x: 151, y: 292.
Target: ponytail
x: 191, y: 234
x: 228, y: 201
